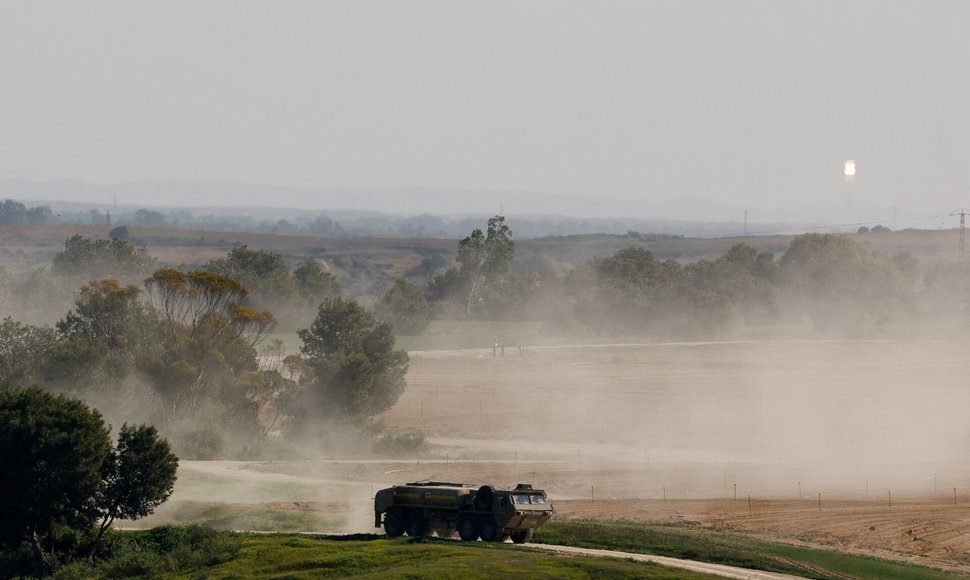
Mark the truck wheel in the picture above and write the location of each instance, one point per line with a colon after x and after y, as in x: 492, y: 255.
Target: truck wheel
x: 522, y: 536
x: 393, y: 524
x: 483, y: 498
x: 490, y: 532
x: 467, y: 529
x: 415, y: 526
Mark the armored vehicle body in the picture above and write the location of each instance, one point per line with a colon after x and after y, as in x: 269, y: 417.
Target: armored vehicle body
x: 485, y: 512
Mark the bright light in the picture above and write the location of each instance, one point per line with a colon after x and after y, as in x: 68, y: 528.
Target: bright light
x: 850, y: 168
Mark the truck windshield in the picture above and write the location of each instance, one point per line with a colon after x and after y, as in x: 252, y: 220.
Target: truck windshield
x: 526, y: 499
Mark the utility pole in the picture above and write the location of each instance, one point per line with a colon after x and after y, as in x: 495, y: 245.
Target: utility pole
x: 963, y: 231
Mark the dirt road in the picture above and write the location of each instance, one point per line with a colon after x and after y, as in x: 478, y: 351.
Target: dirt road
x: 693, y: 566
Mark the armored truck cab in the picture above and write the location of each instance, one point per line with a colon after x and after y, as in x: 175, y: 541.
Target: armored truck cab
x: 421, y: 508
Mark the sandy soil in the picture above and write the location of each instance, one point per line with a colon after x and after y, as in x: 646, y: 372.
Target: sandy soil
x: 876, y: 431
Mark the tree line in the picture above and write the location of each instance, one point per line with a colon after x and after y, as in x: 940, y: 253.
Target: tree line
x: 183, y: 348
x: 823, y: 284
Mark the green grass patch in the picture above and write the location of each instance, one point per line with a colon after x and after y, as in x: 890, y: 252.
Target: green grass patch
x: 378, y: 557
x: 193, y: 552
x: 710, y: 546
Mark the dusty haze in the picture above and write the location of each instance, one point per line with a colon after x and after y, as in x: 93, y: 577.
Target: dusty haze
x: 854, y: 445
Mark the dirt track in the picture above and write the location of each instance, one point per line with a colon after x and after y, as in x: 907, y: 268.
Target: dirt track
x: 692, y: 565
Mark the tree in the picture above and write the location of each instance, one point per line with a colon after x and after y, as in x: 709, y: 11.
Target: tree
x: 621, y: 292
x: 484, y: 257
x: 839, y: 283
x: 263, y: 273
x: 206, y: 347
x: 119, y: 232
x: 147, y: 217
x: 24, y: 350
x: 137, y: 477
x: 357, y: 374
x: 53, y: 450
x: 405, y: 306
x: 61, y: 474
x: 99, y: 337
x: 98, y: 258
x: 315, y: 284
x: 13, y: 212
x: 324, y: 225
x: 102, y: 312
x: 38, y: 215
x: 720, y: 295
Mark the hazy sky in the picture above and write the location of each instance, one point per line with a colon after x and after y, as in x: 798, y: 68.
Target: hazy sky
x: 743, y: 102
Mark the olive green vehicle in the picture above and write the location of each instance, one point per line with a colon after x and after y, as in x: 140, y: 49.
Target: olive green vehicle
x: 494, y: 515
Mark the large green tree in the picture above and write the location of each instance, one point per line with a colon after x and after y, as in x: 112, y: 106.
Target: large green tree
x: 206, y: 347
x: 314, y: 284
x: 406, y: 307
x: 356, y: 372
x: 262, y: 272
x: 840, y: 285
x: 53, y: 450
x: 483, y: 258
x: 623, y: 292
x: 99, y: 258
x: 61, y: 475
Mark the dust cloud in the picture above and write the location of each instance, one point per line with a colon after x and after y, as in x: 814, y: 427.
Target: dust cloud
x: 776, y: 420
x: 693, y: 419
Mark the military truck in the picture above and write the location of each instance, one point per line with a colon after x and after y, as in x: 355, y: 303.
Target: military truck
x: 494, y: 515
